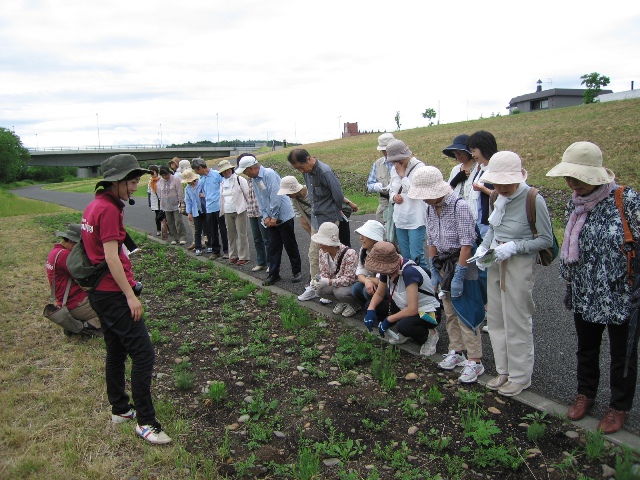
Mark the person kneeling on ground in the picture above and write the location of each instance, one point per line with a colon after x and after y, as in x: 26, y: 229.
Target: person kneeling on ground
x: 116, y: 301
x: 76, y: 298
x: 411, y: 304
x: 337, y: 270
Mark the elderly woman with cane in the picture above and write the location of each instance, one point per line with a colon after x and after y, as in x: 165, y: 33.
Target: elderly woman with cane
x: 596, y: 260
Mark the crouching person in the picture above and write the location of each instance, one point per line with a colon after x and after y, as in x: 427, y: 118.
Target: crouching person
x: 66, y: 291
x: 411, y: 305
x: 337, y: 270
x: 115, y: 300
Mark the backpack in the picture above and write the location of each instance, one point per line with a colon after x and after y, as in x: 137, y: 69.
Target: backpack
x: 544, y: 256
x: 87, y: 275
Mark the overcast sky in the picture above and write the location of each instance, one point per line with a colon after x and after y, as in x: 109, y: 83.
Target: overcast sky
x: 201, y: 69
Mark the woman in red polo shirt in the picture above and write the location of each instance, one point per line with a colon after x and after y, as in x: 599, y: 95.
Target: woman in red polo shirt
x: 115, y: 298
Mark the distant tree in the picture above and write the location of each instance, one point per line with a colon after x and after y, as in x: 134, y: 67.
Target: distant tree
x: 515, y: 111
x: 594, y: 83
x: 397, y: 119
x: 13, y: 156
x: 429, y: 113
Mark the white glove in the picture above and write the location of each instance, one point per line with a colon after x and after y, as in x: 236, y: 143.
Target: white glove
x: 505, y: 251
x: 481, y: 251
x: 480, y: 263
x: 377, y: 187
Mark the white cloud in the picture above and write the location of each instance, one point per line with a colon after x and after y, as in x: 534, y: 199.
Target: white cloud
x: 295, y: 70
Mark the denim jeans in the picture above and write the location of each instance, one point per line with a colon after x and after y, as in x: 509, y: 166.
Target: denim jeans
x: 260, y: 241
x: 411, y: 244
x: 123, y: 336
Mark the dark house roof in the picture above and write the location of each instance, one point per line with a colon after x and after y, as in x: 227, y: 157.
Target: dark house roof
x: 554, y: 92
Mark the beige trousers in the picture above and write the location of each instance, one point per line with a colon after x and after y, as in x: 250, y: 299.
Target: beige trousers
x: 85, y: 313
x: 461, y: 337
x: 237, y: 226
x: 510, y: 312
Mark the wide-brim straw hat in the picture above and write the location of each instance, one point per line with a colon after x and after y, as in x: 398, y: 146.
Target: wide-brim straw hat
x: 505, y: 168
x: 583, y: 161
x: 189, y: 176
x: 328, y: 234
x: 72, y: 233
x: 383, y: 258
x: 372, y: 229
x: 289, y: 185
x: 427, y: 184
x: 224, y: 165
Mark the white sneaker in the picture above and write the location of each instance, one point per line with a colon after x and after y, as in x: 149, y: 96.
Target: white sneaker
x: 470, y: 372
x: 452, y: 360
x: 173, y: 242
x: 339, y: 308
x: 153, y: 433
x: 350, y: 311
x: 158, y: 234
x: 123, y: 417
x: 325, y: 301
x: 396, y: 338
x: 485, y: 329
x: 308, y: 294
x: 428, y: 348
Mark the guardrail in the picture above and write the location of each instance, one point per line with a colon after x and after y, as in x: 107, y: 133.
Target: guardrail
x: 132, y: 147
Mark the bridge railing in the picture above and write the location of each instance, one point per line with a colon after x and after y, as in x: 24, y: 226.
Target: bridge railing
x: 133, y: 147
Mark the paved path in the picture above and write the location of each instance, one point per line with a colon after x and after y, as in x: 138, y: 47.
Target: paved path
x: 555, y: 340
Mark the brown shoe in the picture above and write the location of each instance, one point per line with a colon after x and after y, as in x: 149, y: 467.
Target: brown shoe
x: 191, y: 247
x: 233, y: 260
x: 612, y: 421
x: 580, y: 407
x: 242, y: 262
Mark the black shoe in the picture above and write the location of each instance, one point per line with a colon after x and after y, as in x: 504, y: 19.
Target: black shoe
x: 297, y: 278
x: 271, y: 279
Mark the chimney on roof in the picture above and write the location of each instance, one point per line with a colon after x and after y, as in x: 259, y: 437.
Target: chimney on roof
x: 539, y: 89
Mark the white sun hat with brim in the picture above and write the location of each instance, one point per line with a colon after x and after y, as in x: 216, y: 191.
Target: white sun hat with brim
x: 328, y: 234
x: 189, y: 176
x: 246, y: 162
x: 384, y: 140
x: 428, y: 184
x: 505, y: 168
x: 583, y: 161
x: 289, y: 185
x: 372, y: 229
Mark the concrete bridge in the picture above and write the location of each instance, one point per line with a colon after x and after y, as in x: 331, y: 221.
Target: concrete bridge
x: 88, y: 160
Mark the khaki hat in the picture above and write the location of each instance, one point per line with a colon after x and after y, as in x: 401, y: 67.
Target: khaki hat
x: 505, y: 168
x: 289, y: 185
x: 72, y: 233
x: 372, y: 229
x: 246, y: 162
x: 384, y: 140
x: 427, y: 184
x: 118, y: 167
x: 224, y: 165
x: 583, y: 161
x: 328, y: 234
x: 397, y: 150
x: 383, y: 258
x: 189, y: 176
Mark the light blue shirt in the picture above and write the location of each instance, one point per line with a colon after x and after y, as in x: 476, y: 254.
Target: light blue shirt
x: 211, y: 189
x: 266, y: 186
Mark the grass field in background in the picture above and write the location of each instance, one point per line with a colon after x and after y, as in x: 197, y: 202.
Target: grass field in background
x: 12, y: 205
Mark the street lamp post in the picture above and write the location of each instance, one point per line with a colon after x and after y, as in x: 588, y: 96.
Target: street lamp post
x: 218, y: 129
x: 160, y: 135
x: 98, y: 125
x: 37, y: 145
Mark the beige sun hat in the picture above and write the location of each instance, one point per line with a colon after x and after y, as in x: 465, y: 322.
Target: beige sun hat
x: 397, y: 150
x: 328, y: 234
x: 384, y: 140
x: 428, y: 184
x: 224, y: 165
x: 289, y: 185
x: 189, y: 176
x: 505, y: 168
x: 583, y: 161
x: 383, y: 258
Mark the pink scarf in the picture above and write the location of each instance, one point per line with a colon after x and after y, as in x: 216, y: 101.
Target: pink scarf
x: 583, y: 204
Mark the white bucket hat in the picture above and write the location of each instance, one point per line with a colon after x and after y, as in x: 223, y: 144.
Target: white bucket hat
x: 397, y: 150
x: 289, y: 185
x: 428, y: 184
x: 372, y: 229
x: 505, y: 168
x: 384, y: 140
x: 328, y: 234
x: 583, y: 161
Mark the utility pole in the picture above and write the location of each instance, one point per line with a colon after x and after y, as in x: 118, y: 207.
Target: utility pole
x: 218, y: 128
x: 98, y: 125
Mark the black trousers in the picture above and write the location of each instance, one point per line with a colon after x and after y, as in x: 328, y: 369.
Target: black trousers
x: 122, y: 337
x: 413, y: 327
x: 588, y: 354
x: 283, y: 236
x: 216, y: 224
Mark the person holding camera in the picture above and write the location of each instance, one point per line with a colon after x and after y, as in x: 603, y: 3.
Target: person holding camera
x: 115, y: 298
